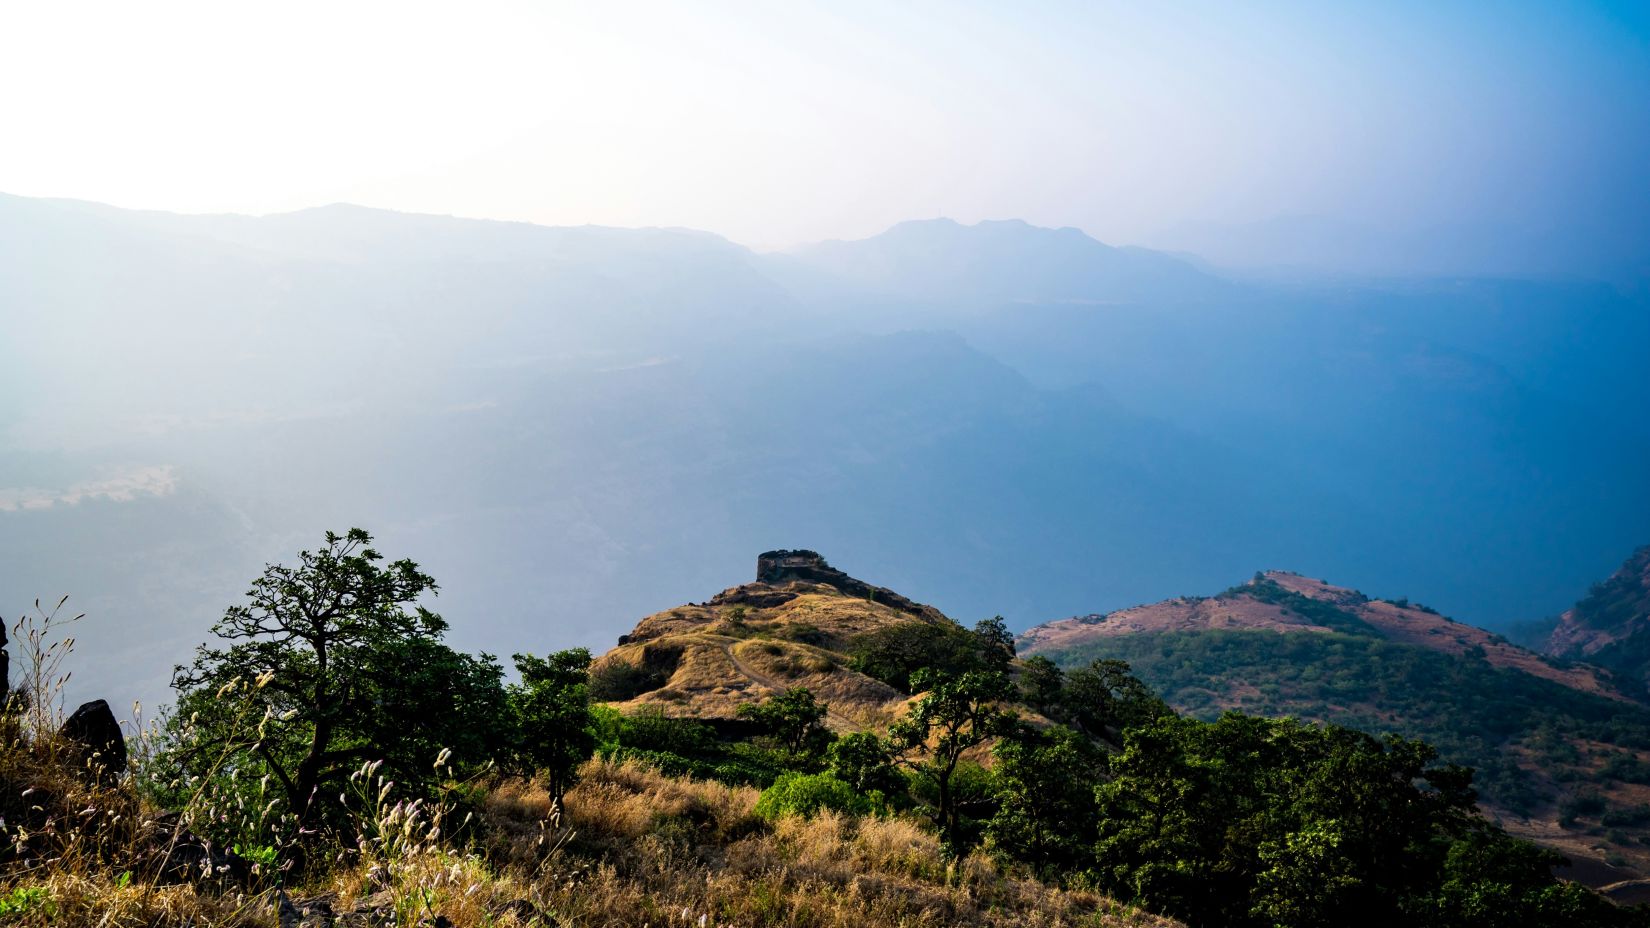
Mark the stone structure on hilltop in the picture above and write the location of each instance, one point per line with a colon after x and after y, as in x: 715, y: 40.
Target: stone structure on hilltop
x: 783, y: 566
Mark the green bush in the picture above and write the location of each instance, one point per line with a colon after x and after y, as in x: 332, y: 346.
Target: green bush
x: 805, y: 794
x: 23, y: 900
x: 650, y: 729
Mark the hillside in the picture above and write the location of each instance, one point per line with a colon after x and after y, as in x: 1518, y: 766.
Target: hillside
x: 1562, y: 754
x: 796, y: 625
x: 1610, y: 626
x: 1280, y: 601
x: 687, y: 775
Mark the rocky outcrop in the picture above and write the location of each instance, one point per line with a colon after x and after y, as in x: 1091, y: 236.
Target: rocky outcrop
x: 1612, y: 612
x: 774, y: 568
x: 96, y: 738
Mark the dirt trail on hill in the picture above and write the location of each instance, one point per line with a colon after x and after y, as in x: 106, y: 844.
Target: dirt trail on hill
x: 776, y: 686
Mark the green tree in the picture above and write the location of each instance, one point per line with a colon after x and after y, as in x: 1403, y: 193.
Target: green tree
x: 893, y: 654
x: 555, y: 730
x: 1044, y: 787
x: 1042, y: 684
x: 794, y: 718
x: 864, y: 762
x: 956, y: 712
x: 804, y: 794
x: 1491, y: 880
x: 1105, y: 698
x: 332, y: 663
x: 1160, y: 824
x: 995, y: 643
x: 1278, y: 824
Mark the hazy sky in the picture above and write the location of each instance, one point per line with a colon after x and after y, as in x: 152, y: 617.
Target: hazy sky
x: 774, y: 123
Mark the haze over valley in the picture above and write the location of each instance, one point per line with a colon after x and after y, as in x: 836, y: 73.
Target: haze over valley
x: 572, y: 427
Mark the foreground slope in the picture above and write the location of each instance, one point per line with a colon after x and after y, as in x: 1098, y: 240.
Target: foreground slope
x: 1562, y: 753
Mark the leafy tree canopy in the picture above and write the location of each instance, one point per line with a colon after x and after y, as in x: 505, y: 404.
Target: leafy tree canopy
x: 957, y: 712
x: 331, y: 663
x: 794, y: 718
x: 555, y: 729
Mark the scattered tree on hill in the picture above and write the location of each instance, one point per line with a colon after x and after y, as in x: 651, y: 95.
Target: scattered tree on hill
x: 895, y: 653
x: 794, y: 718
x: 332, y: 663
x: 994, y: 643
x: 554, y: 728
x: 957, y: 712
x: 1042, y: 684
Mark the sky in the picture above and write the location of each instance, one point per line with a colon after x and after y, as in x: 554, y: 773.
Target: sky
x: 1517, y: 131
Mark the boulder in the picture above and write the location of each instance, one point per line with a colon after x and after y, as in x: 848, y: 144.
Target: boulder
x: 97, y: 738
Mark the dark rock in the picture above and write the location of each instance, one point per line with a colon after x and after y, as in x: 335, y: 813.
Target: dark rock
x: 755, y: 598
x: 661, y: 660
x: 97, y: 737
x: 784, y: 564
x: 178, y: 855
x: 5, y: 665
x: 309, y: 913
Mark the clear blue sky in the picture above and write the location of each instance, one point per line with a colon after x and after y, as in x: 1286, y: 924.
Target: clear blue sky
x: 775, y: 123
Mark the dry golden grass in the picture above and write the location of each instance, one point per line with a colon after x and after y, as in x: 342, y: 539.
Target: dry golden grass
x: 633, y: 848
x: 671, y: 851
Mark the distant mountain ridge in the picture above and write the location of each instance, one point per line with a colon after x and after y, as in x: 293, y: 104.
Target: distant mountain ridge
x: 1273, y: 601
x: 1561, y: 748
x: 1007, y: 261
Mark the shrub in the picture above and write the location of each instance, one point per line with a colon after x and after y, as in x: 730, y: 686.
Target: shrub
x: 618, y: 680
x: 804, y: 794
x: 651, y: 730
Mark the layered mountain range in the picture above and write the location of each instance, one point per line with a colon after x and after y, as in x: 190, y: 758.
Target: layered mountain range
x: 569, y: 426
